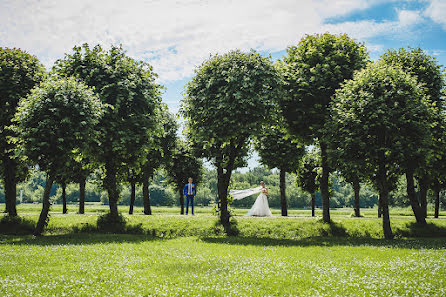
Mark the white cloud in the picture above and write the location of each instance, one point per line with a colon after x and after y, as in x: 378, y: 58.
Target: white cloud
x: 175, y: 36
x: 437, y: 12
x: 366, y: 29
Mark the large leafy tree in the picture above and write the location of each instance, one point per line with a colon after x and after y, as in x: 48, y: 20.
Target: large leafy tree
x: 313, y: 70
x: 19, y: 73
x: 307, y: 176
x: 277, y: 150
x: 128, y: 89
x: 225, y: 103
x: 55, y: 123
x: 377, y: 117
x: 431, y: 76
x: 182, y: 165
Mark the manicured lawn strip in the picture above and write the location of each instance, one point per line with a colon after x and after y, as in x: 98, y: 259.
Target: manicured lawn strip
x: 169, y: 226
x: 98, y: 208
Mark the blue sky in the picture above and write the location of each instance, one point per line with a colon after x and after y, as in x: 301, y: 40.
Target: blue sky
x: 176, y: 36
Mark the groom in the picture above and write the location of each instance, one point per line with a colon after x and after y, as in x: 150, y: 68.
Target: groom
x: 189, y: 191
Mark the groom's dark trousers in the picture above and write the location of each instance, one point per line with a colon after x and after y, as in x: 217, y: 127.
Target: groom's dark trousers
x: 189, y: 198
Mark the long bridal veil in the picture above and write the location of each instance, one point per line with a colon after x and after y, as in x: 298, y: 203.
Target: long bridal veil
x: 240, y: 194
x: 260, y: 207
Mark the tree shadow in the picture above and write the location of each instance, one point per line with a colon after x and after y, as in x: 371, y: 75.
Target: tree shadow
x: 412, y: 243
x: 414, y: 229
x: 75, y: 239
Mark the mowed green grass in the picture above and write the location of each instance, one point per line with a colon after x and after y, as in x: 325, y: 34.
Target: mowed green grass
x: 139, y: 265
x: 176, y: 255
x: 98, y: 208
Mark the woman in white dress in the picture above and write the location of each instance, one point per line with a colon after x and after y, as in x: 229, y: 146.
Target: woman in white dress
x: 261, y: 207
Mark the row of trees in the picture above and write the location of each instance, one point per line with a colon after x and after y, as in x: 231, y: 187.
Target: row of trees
x: 164, y: 193
x: 96, y: 112
x: 323, y: 108
x: 369, y: 121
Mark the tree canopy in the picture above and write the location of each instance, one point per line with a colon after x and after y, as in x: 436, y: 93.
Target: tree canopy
x: 378, y: 118
x: 225, y: 103
x: 19, y: 73
x: 127, y: 87
x: 312, y: 71
x: 54, y: 124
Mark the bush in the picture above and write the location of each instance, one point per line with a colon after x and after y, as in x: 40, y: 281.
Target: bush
x: 112, y: 224
x: 14, y: 225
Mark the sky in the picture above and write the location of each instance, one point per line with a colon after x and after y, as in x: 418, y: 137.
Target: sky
x: 176, y: 36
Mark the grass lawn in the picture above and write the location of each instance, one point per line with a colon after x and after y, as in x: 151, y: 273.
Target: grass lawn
x: 98, y: 208
x: 172, y: 255
x: 138, y: 265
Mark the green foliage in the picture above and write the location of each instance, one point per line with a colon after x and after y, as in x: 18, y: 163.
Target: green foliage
x: 423, y: 67
x: 56, y: 121
x: 430, y: 75
x: 109, y: 223
x: 307, y: 175
x: 127, y: 87
x: 183, y: 165
x: 312, y: 71
x: 19, y: 73
x: 277, y: 150
x: 380, y: 119
x: 226, y: 101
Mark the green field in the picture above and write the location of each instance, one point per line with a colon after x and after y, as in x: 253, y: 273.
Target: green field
x: 172, y: 255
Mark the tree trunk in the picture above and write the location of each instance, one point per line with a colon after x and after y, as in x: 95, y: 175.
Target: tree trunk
x: 283, y: 193
x: 324, y: 184
x: 10, y: 167
x: 43, y: 218
x: 223, y: 198
x: 387, y: 229
x: 380, y: 208
x: 64, y: 198
x: 383, y: 190
x: 356, y: 189
x: 423, y: 195
x: 132, y: 196
x: 437, y: 203
x: 146, y: 193
x: 181, y: 196
x: 82, y: 195
x: 313, y: 203
x: 111, y: 185
x: 419, y: 216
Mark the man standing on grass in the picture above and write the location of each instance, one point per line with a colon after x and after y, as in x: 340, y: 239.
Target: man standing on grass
x: 189, y: 191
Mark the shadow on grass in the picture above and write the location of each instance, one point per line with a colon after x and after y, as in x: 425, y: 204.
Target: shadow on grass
x: 417, y: 230
x: 432, y: 243
x: 76, y: 239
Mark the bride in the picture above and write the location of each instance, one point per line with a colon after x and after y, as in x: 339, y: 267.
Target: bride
x: 260, y: 207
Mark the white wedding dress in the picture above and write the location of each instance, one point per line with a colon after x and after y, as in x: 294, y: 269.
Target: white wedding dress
x: 260, y: 207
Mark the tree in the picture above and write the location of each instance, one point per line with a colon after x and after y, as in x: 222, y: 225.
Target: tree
x: 225, y: 103
x: 54, y: 124
x: 431, y: 75
x: 183, y: 164
x: 159, y: 151
x: 128, y: 89
x: 307, y: 176
x: 277, y: 150
x: 376, y: 117
x: 313, y: 70
x: 19, y: 73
